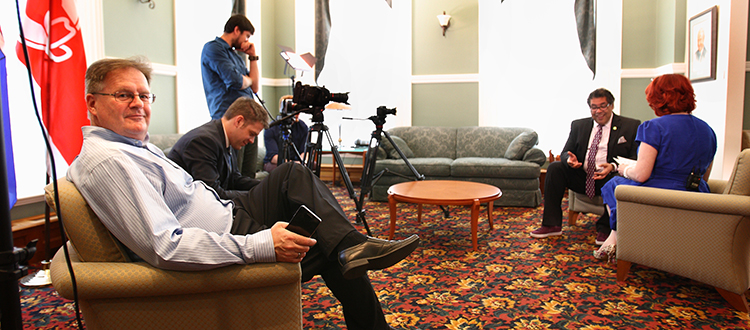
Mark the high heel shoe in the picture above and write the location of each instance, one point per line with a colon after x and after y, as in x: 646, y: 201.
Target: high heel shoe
x: 608, y: 252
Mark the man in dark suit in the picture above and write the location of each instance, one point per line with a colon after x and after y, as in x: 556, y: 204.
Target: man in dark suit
x: 209, y: 152
x: 593, y: 143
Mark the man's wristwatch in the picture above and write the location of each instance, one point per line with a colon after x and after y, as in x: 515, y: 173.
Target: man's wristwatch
x: 253, y: 58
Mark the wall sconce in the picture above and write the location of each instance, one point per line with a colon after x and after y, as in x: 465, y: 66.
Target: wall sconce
x: 445, y: 21
x: 151, y: 3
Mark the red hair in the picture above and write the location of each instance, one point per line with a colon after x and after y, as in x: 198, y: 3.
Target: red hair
x: 670, y: 93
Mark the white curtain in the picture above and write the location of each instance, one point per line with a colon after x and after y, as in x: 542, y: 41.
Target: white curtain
x: 532, y: 72
x: 369, y: 56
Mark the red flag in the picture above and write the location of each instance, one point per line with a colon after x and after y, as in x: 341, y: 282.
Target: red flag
x: 58, y: 65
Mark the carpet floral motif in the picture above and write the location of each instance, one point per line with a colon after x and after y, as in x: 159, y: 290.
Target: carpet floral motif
x: 512, y: 282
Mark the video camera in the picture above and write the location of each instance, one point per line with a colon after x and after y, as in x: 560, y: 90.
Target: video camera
x: 383, y: 111
x: 312, y: 97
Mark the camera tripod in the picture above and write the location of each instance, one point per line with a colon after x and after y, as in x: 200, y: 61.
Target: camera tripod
x: 368, y: 176
x: 288, y: 150
x: 314, y: 157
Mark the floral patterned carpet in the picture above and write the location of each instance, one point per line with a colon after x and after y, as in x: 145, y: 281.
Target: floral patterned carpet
x: 512, y: 282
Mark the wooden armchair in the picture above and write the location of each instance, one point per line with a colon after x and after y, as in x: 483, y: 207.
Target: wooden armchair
x: 115, y: 293
x: 701, y: 236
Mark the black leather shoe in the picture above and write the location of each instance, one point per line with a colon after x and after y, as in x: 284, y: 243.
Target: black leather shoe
x: 375, y: 254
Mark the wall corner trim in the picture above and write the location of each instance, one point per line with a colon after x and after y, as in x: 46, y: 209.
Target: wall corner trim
x: 445, y: 78
x: 654, y: 72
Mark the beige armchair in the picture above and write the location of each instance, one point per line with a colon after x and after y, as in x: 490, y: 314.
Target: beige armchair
x: 115, y: 293
x: 704, y: 237
x: 580, y: 203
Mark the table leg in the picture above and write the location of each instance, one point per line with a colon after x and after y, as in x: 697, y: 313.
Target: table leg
x: 333, y: 171
x: 489, y: 213
x: 419, y: 213
x: 474, y: 221
x: 392, y: 206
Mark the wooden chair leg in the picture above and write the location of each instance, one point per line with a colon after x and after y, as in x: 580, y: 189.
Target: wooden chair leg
x: 623, y: 267
x: 737, y: 301
x: 572, y: 218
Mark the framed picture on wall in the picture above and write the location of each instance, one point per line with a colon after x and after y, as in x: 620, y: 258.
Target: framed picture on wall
x: 702, y: 45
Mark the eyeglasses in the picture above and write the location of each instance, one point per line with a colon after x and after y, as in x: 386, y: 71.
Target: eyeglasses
x: 127, y: 97
x: 598, y: 107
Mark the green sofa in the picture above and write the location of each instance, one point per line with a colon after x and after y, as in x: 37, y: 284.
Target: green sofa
x: 506, y: 157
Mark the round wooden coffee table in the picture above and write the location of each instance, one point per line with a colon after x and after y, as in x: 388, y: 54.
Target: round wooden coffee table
x: 444, y: 192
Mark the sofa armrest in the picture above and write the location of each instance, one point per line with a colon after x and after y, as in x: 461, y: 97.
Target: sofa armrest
x: 97, y: 280
x: 535, y: 155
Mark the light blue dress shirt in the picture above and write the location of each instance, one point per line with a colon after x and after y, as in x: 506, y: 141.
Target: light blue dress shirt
x: 222, y: 70
x: 156, y: 209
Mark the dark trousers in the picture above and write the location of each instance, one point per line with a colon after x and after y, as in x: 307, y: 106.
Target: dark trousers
x: 561, y: 177
x: 277, y: 198
x: 247, y: 158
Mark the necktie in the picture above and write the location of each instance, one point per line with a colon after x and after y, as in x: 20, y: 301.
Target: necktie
x: 591, y: 163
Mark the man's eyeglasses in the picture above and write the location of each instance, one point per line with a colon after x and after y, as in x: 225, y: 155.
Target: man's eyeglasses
x: 598, y: 107
x: 127, y: 97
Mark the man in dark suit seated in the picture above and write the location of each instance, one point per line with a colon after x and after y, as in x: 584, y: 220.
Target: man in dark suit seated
x: 168, y: 219
x: 209, y: 152
x: 592, y: 141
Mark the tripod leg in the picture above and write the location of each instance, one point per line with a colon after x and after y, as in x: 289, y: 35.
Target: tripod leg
x: 403, y: 157
x: 345, y: 176
x: 314, y: 149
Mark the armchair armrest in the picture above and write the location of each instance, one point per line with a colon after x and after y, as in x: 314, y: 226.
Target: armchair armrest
x: 685, y: 200
x: 717, y: 186
x: 98, y: 280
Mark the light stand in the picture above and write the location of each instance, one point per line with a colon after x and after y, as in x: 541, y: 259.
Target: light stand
x: 42, y: 277
x: 11, y: 258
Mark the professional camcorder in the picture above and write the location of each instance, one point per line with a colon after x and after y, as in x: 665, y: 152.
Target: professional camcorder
x: 306, y: 96
x: 383, y: 111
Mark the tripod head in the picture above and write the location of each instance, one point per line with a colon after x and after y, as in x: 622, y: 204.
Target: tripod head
x: 382, y: 112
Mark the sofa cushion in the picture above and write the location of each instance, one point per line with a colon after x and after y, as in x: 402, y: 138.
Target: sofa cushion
x: 484, y: 141
x: 401, y: 144
x: 433, y: 166
x: 477, y: 167
x: 428, y: 141
x: 520, y: 144
x: 382, y: 154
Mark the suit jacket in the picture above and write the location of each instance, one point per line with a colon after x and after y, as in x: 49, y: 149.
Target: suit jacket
x: 623, y: 128
x: 202, y: 152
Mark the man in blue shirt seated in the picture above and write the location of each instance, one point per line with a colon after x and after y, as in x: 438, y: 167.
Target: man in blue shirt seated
x: 171, y: 221
x: 273, y: 138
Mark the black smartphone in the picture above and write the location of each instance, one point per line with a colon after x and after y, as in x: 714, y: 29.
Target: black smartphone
x: 304, y: 222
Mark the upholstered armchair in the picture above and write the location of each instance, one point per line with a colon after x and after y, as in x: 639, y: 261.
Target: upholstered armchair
x: 701, y: 236
x: 580, y: 203
x: 115, y: 293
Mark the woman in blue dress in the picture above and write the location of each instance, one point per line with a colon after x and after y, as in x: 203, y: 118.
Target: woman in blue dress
x: 671, y: 146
